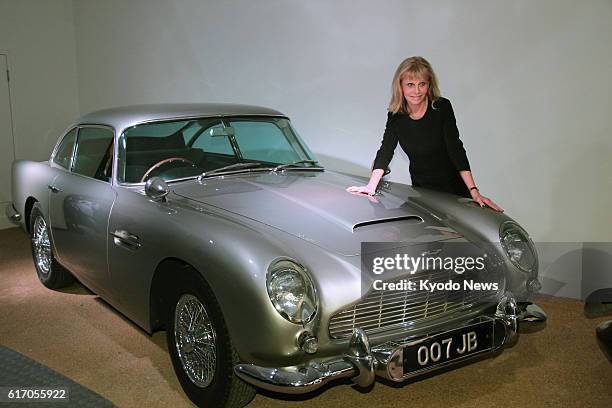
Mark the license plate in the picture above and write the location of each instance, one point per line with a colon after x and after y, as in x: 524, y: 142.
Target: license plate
x: 448, y: 346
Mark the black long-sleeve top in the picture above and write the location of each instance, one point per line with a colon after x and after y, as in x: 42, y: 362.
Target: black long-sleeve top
x: 433, y: 146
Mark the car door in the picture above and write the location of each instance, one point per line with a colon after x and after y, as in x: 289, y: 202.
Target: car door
x: 79, y: 207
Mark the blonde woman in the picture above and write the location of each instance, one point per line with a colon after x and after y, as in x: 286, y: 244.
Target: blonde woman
x: 423, y: 123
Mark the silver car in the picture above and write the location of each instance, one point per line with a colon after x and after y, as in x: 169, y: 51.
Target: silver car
x: 216, y: 223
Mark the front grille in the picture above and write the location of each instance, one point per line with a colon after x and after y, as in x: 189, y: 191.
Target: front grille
x: 385, y: 310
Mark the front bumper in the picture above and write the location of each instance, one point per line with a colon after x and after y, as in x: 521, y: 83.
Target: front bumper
x: 362, y: 363
x: 12, y: 214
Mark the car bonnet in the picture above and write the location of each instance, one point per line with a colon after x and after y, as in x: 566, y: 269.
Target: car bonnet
x: 314, y: 206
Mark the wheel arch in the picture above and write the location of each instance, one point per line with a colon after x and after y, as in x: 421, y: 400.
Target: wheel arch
x: 29, y: 204
x: 166, y: 273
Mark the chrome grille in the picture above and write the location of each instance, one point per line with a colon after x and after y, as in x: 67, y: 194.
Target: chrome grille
x: 385, y: 310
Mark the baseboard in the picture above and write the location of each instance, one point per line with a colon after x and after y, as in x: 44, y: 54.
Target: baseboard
x: 5, y: 223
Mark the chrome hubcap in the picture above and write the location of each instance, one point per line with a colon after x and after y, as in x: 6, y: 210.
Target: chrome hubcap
x: 41, y: 245
x: 195, y: 337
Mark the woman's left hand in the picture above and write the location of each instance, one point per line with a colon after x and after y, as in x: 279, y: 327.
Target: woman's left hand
x: 484, y: 201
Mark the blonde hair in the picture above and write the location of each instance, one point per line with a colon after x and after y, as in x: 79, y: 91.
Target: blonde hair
x: 412, y: 67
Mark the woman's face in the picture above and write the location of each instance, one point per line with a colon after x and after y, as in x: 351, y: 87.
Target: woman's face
x: 415, y: 89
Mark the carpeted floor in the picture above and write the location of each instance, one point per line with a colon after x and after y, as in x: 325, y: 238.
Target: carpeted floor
x: 80, y: 336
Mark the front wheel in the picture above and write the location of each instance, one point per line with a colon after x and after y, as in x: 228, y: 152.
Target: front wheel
x: 201, y: 350
x: 49, y: 271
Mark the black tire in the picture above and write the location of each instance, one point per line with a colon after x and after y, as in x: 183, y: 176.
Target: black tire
x: 49, y: 271
x: 221, y: 387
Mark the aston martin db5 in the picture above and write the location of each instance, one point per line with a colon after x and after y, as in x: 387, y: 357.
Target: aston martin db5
x: 217, y: 224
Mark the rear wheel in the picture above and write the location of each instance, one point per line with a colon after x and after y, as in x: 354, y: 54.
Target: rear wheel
x: 201, y: 350
x: 49, y: 271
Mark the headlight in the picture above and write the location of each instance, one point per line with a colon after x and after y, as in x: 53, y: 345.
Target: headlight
x: 518, y: 247
x: 291, y: 291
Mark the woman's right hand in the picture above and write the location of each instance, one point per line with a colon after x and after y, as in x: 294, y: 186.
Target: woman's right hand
x: 370, y: 188
x: 362, y: 190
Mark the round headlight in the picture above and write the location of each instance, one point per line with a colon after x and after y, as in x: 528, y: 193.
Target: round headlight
x: 291, y: 291
x: 519, y: 247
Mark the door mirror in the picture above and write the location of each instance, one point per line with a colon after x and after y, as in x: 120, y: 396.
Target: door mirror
x: 157, y: 189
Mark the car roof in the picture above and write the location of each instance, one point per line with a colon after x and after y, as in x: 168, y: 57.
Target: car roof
x: 123, y: 117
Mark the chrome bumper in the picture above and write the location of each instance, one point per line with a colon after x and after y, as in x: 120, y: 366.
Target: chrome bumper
x: 12, y: 214
x: 363, y: 363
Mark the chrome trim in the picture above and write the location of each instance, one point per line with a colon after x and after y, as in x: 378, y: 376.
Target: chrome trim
x: 41, y: 245
x: 195, y: 340
x: 59, y: 142
x: 303, y: 271
x: 533, y: 285
x: 507, y: 312
x: 125, y: 239
x: 390, y: 355
x: 12, y: 214
x: 362, y: 362
x: 381, y: 311
x: 360, y: 357
x: 119, y: 135
x: 502, y: 228
x: 54, y: 189
x: 156, y: 189
x: 295, y: 379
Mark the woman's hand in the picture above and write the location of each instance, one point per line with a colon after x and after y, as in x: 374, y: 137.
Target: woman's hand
x: 484, y: 201
x: 370, y: 188
x: 362, y: 190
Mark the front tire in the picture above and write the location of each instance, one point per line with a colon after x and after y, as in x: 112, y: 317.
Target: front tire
x: 49, y: 271
x: 201, y: 350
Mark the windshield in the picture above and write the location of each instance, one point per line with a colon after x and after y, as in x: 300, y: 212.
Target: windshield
x: 187, y: 148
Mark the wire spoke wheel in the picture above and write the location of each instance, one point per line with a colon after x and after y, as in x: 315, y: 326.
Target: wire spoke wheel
x: 195, y: 339
x: 41, y: 245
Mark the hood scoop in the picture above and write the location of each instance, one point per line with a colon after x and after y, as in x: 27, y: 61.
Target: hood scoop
x: 316, y: 207
x: 407, y: 219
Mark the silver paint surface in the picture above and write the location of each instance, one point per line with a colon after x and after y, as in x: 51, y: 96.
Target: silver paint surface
x: 230, y: 228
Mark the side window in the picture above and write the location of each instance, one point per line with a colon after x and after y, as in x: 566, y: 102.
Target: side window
x: 64, y: 152
x: 94, y: 153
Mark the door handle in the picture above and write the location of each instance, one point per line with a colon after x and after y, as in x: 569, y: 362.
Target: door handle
x: 124, y: 238
x: 54, y: 189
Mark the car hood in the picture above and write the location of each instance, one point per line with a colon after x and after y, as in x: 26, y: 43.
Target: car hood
x: 314, y: 206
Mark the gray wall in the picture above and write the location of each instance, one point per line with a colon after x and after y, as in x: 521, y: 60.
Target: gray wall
x: 38, y: 38
x: 530, y: 83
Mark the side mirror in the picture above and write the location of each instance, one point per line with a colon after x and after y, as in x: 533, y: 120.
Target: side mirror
x: 157, y: 189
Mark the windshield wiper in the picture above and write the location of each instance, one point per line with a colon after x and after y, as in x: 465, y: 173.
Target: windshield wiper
x: 295, y: 164
x: 234, y: 166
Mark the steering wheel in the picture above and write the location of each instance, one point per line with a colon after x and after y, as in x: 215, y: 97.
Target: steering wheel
x: 164, y: 162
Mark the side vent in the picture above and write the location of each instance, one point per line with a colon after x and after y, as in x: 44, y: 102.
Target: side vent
x: 411, y: 219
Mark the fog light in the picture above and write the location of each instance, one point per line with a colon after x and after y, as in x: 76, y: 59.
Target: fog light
x: 533, y: 285
x: 309, y: 343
